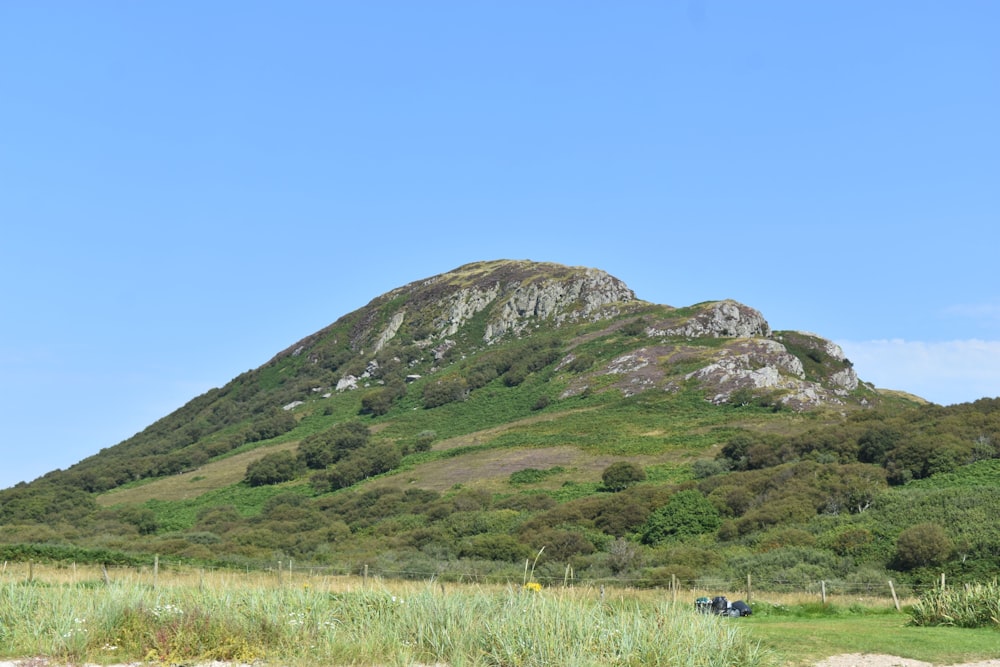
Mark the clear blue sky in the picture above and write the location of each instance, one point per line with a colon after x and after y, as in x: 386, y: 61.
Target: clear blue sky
x: 186, y: 188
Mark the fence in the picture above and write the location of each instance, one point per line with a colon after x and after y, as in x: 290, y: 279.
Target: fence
x: 287, y: 573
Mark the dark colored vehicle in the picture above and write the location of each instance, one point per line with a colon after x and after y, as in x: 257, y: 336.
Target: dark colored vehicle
x: 720, y: 606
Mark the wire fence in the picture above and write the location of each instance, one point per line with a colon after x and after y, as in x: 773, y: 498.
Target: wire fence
x: 288, y: 573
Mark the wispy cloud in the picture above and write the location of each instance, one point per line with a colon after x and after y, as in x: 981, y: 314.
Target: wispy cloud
x: 948, y: 372
x: 985, y: 312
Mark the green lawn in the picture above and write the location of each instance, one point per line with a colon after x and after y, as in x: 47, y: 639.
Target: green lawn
x: 806, y: 640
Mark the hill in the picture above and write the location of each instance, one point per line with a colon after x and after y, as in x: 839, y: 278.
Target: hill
x: 462, y: 423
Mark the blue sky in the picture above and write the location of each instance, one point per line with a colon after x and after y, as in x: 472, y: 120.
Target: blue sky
x: 187, y: 188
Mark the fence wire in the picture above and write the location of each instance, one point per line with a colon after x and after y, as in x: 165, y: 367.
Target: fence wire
x: 287, y: 572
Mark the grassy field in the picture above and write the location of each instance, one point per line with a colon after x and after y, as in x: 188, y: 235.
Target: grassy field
x: 804, y: 640
x: 353, y: 622
x: 81, y: 614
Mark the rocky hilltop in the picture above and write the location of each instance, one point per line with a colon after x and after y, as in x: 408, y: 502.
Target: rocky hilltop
x: 726, y: 347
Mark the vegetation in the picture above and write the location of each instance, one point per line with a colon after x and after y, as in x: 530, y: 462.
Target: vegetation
x: 621, y: 475
x: 973, y: 606
x: 582, y: 440
x: 810, y: 632
x: 369, y: 625
x: 180, y: 615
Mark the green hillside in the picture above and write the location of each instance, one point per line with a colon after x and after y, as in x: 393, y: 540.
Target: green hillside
x: 504, y: 411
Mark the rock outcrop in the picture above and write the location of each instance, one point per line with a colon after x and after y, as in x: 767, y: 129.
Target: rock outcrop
x: 515, y: 294
x: 590, y: 294
x: 724, y: 347
x: 724, y: 319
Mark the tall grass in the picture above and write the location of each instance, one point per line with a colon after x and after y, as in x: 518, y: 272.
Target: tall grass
x: 125, y: 621
x: 971, y: 606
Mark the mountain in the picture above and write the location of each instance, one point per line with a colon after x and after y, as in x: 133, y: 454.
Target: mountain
x: 469, y: 420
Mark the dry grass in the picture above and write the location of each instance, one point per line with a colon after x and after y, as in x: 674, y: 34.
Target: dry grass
x: 282, y: 618
x: 187, y: 485
x: 220, y: 579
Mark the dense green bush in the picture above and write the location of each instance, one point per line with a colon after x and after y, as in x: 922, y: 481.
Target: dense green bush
x: 559, y: 545
x: 444, y: 391
x: 922, y: 545
x: 493, y: 547
x: 424, y: 440
x: 686, y: 514
x: 622, y: 474
x: 274, y: 468
x: 620, y: 516
x: 327, y: 447
x: 142, y: 518
x: 379, y: 401
x: 359, y: 464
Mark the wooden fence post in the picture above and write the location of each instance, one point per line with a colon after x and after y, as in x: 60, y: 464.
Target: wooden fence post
x: 749, y: 589
x: 895, y: 599
x: 31, y: 570
x: 822, y: 589
x: 104, y: 572
x: 942, y: 581
x: 156, y: 570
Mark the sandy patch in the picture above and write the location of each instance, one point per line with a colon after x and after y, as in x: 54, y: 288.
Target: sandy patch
x: 879, y: 660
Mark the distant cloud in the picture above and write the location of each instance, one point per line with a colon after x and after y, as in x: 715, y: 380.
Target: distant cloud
x: 949, y: 372
x: 989, y: 312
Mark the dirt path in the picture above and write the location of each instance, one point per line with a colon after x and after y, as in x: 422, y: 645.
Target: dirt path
x: 878, y: 660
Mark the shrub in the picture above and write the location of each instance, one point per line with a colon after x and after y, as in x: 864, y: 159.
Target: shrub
x: 494, y: 547
x: 622, y: 556
x: 621, y: 516
x: 687, y: 513
x: 424, y: 441
x: 143, y: 519
x: 444, y: 391
x: 322, y: 449
x: 358, y: 465
x: 580, y: 363
x: 541, y: 403
x: 377, y: 402
x: 922, y: 545
x: 708, y: 467
x: 560, y: 545
x: 621, y: 475
x: 634, y: 328
x: 273, y: 468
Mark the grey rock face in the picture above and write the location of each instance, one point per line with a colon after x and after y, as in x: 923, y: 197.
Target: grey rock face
x: 590, y: 294
x: 724, y: 319
x: 462, y: 306
x: 390, y: 330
